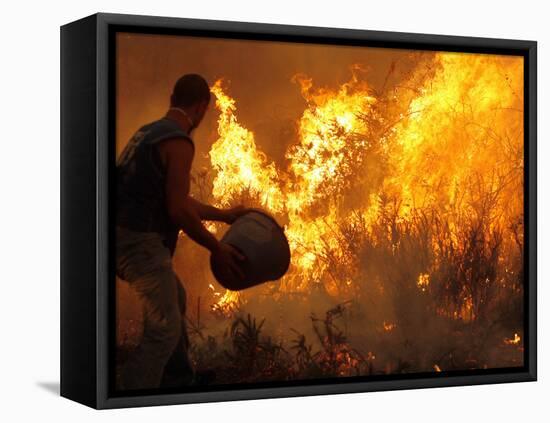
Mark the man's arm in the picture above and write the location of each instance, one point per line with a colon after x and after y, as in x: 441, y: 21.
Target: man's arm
x: 208, y: 212
x: 177, y: 156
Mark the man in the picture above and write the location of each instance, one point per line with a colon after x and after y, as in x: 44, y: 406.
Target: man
x: 153, y: 204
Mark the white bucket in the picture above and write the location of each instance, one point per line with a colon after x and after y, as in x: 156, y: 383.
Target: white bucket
x: 258, y: 236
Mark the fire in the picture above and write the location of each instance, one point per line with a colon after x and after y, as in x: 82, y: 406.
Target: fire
x: 452, y: 144
x: 388, y: 327
x: 513, y: 341
x: 330, y: 149
x: 423, y: 281
x: 240, y: 167
x: 226, y: 303
x: 323, y: 160
x: 463, y: 137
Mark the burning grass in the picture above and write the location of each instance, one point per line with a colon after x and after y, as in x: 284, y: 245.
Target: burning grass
x: 467, y: 315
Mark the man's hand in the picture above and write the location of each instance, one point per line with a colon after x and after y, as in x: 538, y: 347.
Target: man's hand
x: 208, y: 212
x: 228, y: 258
x: 230, y: 215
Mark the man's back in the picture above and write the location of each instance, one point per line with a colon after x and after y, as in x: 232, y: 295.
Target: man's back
x: 141, y: 181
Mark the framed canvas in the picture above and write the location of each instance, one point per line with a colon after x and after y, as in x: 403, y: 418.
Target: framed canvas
x: 259, y: 211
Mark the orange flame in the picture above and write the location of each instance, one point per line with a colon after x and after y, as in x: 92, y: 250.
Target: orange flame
x: 423, y: 281
x: 452, y: 145
x: 513, y: 341
x: 240, y: 167
x: 388, y: 327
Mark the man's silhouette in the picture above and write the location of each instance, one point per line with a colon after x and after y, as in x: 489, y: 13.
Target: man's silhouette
x: 152, y: 205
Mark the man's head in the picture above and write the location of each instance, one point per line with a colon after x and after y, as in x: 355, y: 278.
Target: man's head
x: 191, y: 94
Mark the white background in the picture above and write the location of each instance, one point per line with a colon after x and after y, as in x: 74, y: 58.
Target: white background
x: 29, y: 212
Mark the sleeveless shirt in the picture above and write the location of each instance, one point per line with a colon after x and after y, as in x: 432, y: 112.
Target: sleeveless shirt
x: 141, y: 182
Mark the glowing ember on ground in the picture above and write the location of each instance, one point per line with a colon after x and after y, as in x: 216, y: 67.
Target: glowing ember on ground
x: 388, y: 327
x: 423, y: 281
x: 227, y: 303
x: 513, y: 341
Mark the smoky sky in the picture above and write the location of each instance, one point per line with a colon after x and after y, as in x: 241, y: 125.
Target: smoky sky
x: 257, y: 74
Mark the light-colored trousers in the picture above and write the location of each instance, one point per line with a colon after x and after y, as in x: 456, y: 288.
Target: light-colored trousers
x: 161, y: 358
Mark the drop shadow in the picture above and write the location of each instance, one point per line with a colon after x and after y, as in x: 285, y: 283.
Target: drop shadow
x: 51, y: 387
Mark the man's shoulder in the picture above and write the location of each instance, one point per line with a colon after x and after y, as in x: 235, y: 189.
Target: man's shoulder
x: 163, y: 130
x: 176, y: 143
x: 177, y: 149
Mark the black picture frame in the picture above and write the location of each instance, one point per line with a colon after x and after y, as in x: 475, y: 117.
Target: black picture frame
x: 87, y: 163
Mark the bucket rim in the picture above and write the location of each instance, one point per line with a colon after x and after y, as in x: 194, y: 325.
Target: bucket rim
x: 266, y: 214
